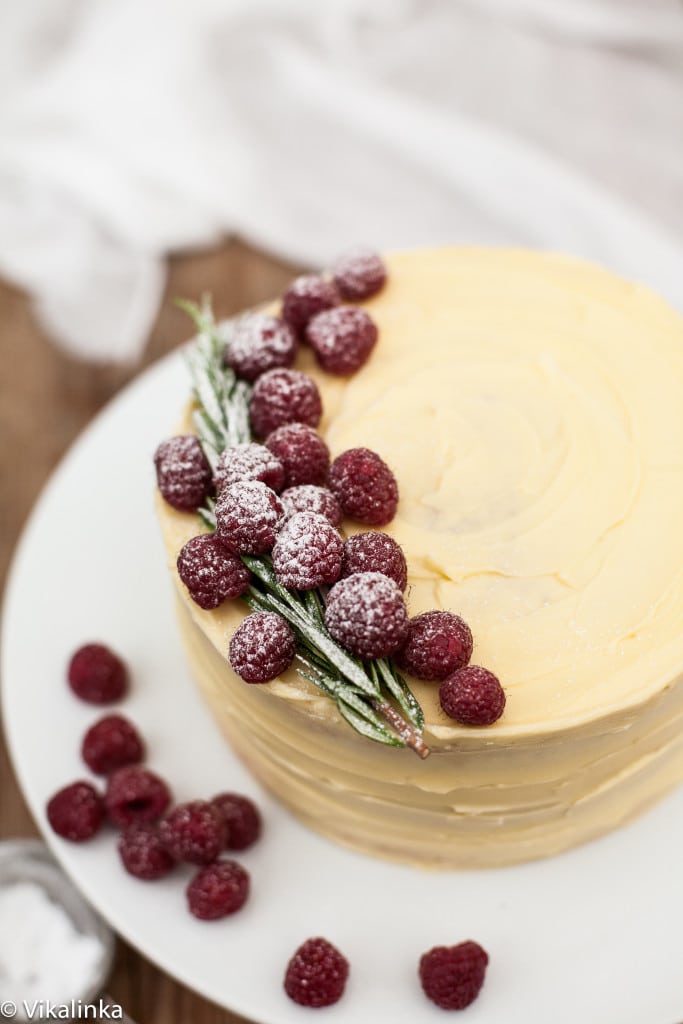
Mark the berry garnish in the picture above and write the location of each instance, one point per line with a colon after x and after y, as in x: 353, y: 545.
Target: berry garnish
x: 342, y: 339
x: 248, y: 517
x: 211, y: 573
x: 316, y: 975
x: 284, y: 396
x: 302, y: 452
x: 472, y: 696
x: 452, y: 976
x: 194, y: 832
x: 183, y: 475
x: 218, y: 890
x: 249, y: 462
x: 438, y: 644
x: 306, y: 296
x: 375, y: 552
x: 143, y: 854
x: 259, y: 343
x: 364, y: 486
x: 97, y: 675
x: 307, y: 552
x: 359, y: 273
x: 135, y: 795
x: 262, y: 647
x: 242, y: 817
x: 76, y: 812
x: 111, y: 743
x: 309, y: 498
x: 367, y: 614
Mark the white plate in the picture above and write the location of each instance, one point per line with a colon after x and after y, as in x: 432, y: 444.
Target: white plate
x: 593, y: 936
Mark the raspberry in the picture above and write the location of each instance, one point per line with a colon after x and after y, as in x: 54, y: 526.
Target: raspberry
x: 375, y: 552
x: 309, y: 498
x: 284, y: 396
x: 260, y: 343
x: 218, y: 890
x: 248, y: 517
x: 364, y: 486
x: 306, y: 296
x: 76, y: 812
x: 242, y: 818
x: 438, y: 644
x: 97, y: 675
x: 302, y: 452
x: 472, y: 696
x: 262, y: 647
x: 452, y: 976
x: 111, y: 743
x: 316, y: 975
x: 367, y: 614
x: 143, y: 853
x: 359, y: 273
x: 194, y: 832
x: 135, y: 796
x: 249, y: 462
x: 342, y: 339
x: 307, y: 552
x: 183, y: 474
x: 211, y: 573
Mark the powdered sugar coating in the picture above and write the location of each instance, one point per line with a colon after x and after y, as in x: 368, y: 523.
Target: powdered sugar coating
x: 359, y: 273
x: 373, y: 551
x: 367, y: 614
x: 307, y: 295
x: 262, y: 647
x: 284, y: 396
x: 211, y: 573
x: 183, y: 473
x: 249, y: 461
x: 364, y: 486
x: 258, y: 343
x: 307, y: 552
x: 309, y: 498
x: 302, y: 452
x: 437, y: 644
x: 248, y: 517
x: 342, y: 339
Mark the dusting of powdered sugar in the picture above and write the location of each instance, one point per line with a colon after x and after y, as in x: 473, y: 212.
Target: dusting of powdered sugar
x: 366, y: 613
x: 249, y: 516
x: 307, y: 552
x: 284, y: 396
x: 311, y: 498
x: 249, y: 461
x: 259, y: 343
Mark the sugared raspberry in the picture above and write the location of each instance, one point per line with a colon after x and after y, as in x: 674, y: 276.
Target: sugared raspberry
x: 135, y: 796
x: 306, y: 296
x: 359, y: 273
x: 242, y: 817
x: 375, y: 552
x: 248, y: 517
x: 342, y: 339
x: 143, y: 853
x: 262, y: 647
x: 364, y: 486
x: 302, y: 452
x: 284, y: 396
x: 111, y: 743
x: 452, y: 976
x: 76, y: 812
x: 472, y: 696
x: 211, y: 573
x: 249, y: 462
x: 183, y: 475
x: 259, y: 343
x: 194, y: 832
x: 218, y: 890
x: 307, y: 552
x: 97, y: 675
x: 316, y: 975
x: 438, y: 644
x: 367, y: 614
x: 309, y: 498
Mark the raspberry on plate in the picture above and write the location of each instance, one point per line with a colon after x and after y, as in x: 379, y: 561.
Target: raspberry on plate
x: 359, y: 274
x: 97, y: 675
x: 262, y: 647
x: 135, y: 795
x: 438, y: 643
x: 317, y: 973
x: 310, y: 498
x: 307, y: 552
x: 76, y: 812
x: 364, y: 486
x: 218, y: 890
x: 342, y: 339
x: 242, y: 818
x: 143, y: 854
x: 452, y: 976
x: 249, y: 462
x: 111, y: 743
x: 258, y: 343
x: 194, y: 832
x: 472, y: 696
x: 302, y: 452
x: 375, y: 552
x: 306, y: 296
x: 284, y: 396
x: 248, y: 517
x: 366, y: 613
x: 211, y: 573
x: 183, y: 474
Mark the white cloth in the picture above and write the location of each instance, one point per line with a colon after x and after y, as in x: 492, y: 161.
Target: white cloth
x: 132, y: 129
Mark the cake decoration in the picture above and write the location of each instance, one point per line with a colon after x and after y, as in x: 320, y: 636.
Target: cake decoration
x: 364, y: 486
x: 472, y: 696
x: 183, y: 474
x: 307, y: 552
x: 307, y: 295
x: 260, y: 343
x: 342, y: 339
x: 316, y: 975
x: 375, y: 552
x: 262, y: 647
x: 359, y: 274
x: 452, y: 976
x: 211, y: 573
x: 284, y: 396
x: 311, y: 498
x: 438, y: 643
x: 366, y: 613
x: 249, y: 462
x: 249, y: 516
x: 302, y: 452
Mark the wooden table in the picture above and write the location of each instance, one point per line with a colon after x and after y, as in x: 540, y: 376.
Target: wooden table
x: 46, y: 398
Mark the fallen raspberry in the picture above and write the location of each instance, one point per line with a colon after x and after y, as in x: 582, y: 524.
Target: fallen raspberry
x: 316, y: 975
x: 452, y: 976
x: 364, y: 486
x: 302, y: 452
x: 472, y: 696
x: 111, y: 743
x: 342, y: 339
x: 242, y: 818
x: 307, y: 552
x: 375, y: 552
x: 76, y: 812
x: 249, y: 462
x: 248, y: 517
x: 309, y: 498
x: 284, y: 396
x: 438, y: 644
x: 143, y: 854
x: 359, y: 273
x: 194, y: 832
x: 211, y: 573
x: 262, y: 647
x: 259, y: 343
x: 97, y: 675
x: 183, y: 475
x: 135, y: 795
x: 218, y: 890
x: 306, y: 296
x: 366, y: 613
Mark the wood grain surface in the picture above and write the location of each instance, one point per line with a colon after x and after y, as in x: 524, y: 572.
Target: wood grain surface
x: 46, y: 398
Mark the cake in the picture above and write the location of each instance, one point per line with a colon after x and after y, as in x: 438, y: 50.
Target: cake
x: 530, y: 406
